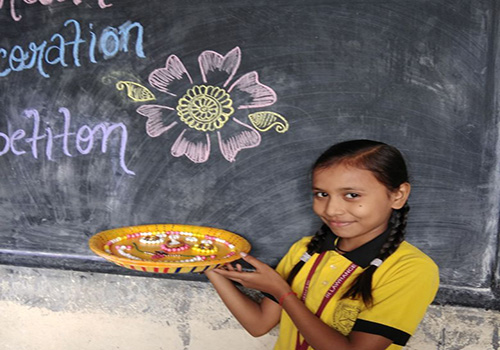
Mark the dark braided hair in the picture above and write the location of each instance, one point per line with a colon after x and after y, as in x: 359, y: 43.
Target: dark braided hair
x: 362, y: 285
x: 314, y: 246
x: 388, y: 166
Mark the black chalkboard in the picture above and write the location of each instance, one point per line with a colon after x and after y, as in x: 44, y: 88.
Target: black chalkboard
x: 96, y: 130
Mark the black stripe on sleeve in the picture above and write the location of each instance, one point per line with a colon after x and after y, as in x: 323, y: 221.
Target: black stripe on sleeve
x: 397, y: 336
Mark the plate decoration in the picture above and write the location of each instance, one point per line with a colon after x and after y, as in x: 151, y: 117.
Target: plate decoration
x: 169, y: 248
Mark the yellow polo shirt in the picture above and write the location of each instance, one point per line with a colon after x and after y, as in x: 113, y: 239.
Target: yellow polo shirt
x: 402, y: 288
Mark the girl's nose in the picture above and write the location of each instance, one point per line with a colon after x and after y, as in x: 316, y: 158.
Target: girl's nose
x: 334, y: 207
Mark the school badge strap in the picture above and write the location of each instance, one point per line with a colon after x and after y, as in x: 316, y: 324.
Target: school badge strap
x: 169, y: 248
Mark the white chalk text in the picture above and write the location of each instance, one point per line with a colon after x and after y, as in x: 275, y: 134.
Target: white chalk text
x: 16, y: 17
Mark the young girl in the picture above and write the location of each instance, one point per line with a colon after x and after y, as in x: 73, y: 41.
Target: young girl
x: 356, y: 284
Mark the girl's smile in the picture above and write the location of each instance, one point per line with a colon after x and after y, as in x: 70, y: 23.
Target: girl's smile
x: 340, y: 223
x: 353, y: 203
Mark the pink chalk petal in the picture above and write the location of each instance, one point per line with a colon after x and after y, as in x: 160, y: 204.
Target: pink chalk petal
x: 156, y: 114
x: 174, y: 70
x: 245, y: 137
x: 261, y: 95
x: 211, y: 61
x: 197, y: 149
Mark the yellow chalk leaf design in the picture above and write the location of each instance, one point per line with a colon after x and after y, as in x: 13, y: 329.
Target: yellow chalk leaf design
x: 135, y: 91
x: 263, y: 121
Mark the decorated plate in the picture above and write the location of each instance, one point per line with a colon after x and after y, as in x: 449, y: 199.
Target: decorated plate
x: 168, y: 248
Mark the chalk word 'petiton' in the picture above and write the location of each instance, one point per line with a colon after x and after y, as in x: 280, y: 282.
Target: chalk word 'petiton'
x: 56, y: 52
x: 84, y: 139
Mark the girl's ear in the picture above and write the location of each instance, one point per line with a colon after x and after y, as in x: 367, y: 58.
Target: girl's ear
x: 400, y: 196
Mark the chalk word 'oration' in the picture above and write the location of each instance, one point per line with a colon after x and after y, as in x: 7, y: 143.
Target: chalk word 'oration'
x: 17, y: 17
x: 20, y: 142
x: 60, y: 50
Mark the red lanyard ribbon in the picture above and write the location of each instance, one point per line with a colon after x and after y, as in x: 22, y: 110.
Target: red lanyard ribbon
x: 328, y: 295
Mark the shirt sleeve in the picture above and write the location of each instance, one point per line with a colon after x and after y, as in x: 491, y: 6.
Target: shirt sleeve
x: 292, y: 257
x: 401, y: 296
x: 289, y: 260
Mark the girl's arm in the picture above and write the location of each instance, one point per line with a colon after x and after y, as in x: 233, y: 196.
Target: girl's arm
x: 257, y: 319
x: 319, y: 335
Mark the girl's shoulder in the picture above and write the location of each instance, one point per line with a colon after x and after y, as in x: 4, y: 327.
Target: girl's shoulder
x: 409, y: 250
x: 408, y: 270
x: 300, y: 246
x: 293, y: 255
x: 304, y: 241
x: 411, y: 257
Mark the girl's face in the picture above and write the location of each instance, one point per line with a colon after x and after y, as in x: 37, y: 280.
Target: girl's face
x: 354, y: 204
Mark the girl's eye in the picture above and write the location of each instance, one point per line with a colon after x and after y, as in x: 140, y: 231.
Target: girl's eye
x: 321, y: 194
x: 352, y: 195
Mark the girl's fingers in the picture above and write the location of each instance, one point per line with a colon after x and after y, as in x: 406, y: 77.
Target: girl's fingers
x: 235, y: 280
x: 259, y: 265
x: 237, y: 276
x: 260, y: 280
x: 229, y: 273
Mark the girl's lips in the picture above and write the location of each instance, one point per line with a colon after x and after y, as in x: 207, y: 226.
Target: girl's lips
x: 339, y: 223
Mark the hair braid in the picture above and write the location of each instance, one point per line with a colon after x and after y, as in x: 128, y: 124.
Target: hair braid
x: 314, y: 246
x: 396, y: 236
x: 362, y: 285
x: 316, y: 242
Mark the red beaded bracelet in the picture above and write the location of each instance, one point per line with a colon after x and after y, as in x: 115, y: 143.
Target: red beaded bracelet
x: 283, y: 297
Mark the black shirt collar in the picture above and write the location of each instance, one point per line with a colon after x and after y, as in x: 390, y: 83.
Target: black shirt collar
x: 361, y: 256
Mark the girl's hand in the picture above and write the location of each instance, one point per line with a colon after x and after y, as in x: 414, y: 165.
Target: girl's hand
x: 264, y: 278
x: 213, y: 272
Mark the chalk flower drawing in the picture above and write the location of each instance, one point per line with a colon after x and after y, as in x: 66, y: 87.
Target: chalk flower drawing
x: 206, y: 109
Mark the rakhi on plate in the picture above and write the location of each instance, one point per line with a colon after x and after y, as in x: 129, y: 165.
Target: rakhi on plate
x: 169, y: 248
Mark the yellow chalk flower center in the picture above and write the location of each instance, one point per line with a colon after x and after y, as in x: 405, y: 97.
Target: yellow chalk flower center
x: 205, y: 108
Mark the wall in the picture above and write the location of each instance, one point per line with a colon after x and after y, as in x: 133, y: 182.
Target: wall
x: 43, y: 309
